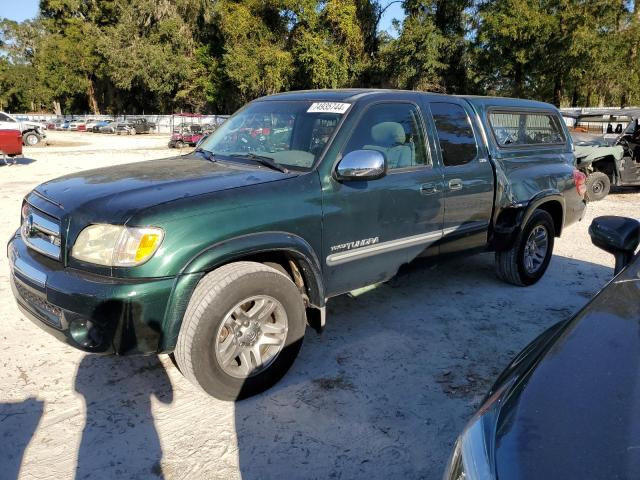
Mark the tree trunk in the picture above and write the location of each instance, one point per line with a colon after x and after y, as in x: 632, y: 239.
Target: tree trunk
x: 557, y: 90
x: 575, y: 98
x: 91, y: 97
x: 518, y: 80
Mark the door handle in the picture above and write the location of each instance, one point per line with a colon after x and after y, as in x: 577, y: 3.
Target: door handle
x: 428, y: 189
x: 455, y: 184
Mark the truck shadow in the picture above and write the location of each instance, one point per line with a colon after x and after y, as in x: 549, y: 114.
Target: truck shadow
x: 386, y: 389
x: 119, y: 439
x: 18, y: 423
x: 16, y: 161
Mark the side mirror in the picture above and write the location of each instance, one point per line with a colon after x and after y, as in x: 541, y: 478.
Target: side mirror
x: 617, y: 235
x: 362, y: 165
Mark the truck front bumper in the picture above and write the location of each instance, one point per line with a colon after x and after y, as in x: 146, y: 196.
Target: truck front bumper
x: 90, y: 312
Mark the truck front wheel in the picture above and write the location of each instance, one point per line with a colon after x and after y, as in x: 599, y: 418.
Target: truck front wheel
x: 598, y: 186
x: 242, y: 330
x: 528, y: 258
x: 30, y: 139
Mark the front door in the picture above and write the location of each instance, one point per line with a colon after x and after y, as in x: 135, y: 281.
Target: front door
x: 468, y: 177
x: 372, y: 227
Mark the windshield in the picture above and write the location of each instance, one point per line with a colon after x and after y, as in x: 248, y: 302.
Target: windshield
x: 292, y: 133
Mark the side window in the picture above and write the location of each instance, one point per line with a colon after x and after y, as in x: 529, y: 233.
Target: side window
x: 455, y: 134
x: 520, y: 128
x: 5, y: 118
x: 393, y: 129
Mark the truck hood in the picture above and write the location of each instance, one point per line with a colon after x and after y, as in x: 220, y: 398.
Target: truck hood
x: 33, y: 125
x: 575, y: 413
x: 113, y: 194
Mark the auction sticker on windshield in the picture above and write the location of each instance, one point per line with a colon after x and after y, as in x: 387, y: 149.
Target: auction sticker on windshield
x: 328, y: 107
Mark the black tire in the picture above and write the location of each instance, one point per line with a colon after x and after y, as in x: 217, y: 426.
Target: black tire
x: 598, y: 186
x: 30, y: 139
x: 179, y: 144
x: 510, y: 264
x: 214, y: 297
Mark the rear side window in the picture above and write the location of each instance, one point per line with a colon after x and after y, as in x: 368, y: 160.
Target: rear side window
x: 455, y: 134
x: 526, y: 128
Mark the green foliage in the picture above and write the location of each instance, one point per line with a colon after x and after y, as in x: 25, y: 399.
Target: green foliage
x: 205, y: 55
x: 413, y: 59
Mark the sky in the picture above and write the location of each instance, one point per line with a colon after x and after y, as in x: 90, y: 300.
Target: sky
x: 18, y: 9
x: 22, y: 9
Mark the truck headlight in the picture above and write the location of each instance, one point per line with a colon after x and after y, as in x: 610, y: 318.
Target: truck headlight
x: 117, y: 245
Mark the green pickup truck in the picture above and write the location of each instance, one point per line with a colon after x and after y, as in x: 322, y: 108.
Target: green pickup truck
x: 224, y: 255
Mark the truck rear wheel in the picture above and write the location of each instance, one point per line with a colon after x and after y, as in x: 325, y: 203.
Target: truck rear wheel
x: 242, y: 330
x: 598, y: 186
x: 529, y: 256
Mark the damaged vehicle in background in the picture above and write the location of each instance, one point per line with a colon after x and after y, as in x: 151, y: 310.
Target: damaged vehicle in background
x: 609, y: 159
x: 568, y: 406
x: 602, y: 163
x: 223, y: 256
x: 32, y: 132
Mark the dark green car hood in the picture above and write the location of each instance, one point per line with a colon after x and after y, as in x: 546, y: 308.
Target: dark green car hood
x: 574, y: 412
x: 113, y: 194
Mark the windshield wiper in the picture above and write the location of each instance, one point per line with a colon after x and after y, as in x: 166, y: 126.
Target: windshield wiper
x: 261, y: 159
x: 208, y: 154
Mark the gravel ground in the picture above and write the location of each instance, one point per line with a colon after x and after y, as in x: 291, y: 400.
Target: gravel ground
x: 382, y: 393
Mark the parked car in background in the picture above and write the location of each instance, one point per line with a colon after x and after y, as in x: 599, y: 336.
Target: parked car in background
x: 125, y: 128
x: 78, y: 125
x: 568, y: 406
x: 32, y: 132
x: 109, y: 127
x: 54, y: 124
x: 134, y: 126
x: 91, y: 123
x: 99, y: 124
x: 141, y: 125
x: 10, y: 143
x: 347, y: 187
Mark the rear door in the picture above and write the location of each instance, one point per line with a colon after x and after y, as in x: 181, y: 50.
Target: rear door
x: 468, y: 175
x: 371, y: 228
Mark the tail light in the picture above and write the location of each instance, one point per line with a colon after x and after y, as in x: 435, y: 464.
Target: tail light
x: 581, y: 182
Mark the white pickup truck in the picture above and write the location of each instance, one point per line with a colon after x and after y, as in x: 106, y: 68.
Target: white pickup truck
x: 32, y: 132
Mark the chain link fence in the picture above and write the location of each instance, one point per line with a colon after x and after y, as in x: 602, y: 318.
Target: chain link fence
x: 164, y: 123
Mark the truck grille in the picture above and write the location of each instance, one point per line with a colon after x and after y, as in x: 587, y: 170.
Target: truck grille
x: 41, y: 232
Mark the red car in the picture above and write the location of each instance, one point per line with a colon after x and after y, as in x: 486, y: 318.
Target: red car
x: 10, y: 143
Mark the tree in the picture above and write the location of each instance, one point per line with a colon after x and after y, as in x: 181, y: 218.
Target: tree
x: 413, y: 59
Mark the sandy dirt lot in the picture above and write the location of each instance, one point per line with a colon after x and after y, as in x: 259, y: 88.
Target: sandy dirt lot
x: 382, y: 393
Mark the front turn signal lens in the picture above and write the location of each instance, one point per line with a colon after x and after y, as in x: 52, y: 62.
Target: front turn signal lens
x: 148, y: 244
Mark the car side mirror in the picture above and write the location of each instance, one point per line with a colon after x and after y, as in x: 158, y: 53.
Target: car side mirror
x: 617, y: 235
x: 362, y: 165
